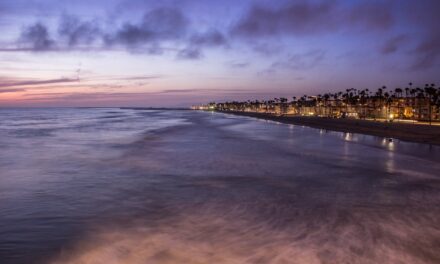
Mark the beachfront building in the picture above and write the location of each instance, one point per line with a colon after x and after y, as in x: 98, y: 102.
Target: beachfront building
x: 413, y: 104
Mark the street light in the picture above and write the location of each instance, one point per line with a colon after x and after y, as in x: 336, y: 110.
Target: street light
x: 391, y: 117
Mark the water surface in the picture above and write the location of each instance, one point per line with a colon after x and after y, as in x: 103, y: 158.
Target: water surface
x: 150, y: 186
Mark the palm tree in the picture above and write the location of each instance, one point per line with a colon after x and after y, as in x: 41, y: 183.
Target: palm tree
x: 398, y: 93
x: 420, y: 98
x: 294, y: 104
x: 379, y: 95
x: 326, y: 97
x: 283, y: 105
x: 431, y: 92
x: 387, y: 103
x: 362, y: 101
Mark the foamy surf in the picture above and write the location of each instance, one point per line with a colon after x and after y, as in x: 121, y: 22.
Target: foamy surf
x: 339, y: 237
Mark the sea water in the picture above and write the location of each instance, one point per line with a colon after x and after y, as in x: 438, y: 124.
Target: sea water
x: 109, y: 185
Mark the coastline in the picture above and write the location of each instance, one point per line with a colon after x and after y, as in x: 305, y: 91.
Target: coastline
x: 407, y: 132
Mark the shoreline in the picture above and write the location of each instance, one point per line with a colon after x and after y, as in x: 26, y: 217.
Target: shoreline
x: 407, y: 132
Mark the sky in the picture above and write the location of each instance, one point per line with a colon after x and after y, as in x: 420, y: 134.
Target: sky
x: 178, y: 53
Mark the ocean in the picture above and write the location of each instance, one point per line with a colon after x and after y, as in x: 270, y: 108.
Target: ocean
x: 110, y: 185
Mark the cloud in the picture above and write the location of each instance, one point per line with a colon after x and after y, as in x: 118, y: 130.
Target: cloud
x: 97, y: 97
x: 393, y: 44
x: 128, y: 78
x: 189, y: 54
x: 296, y: 62
x: 140, y: 78
x: 427, y: 53
x: 371, y: 16
x: 302, y: 18
x: 294, y: 18
x: 424, y: 15
x: 117, y: 96
x: 77, y: 32
x: 301, y: 61
x: 14, y: 83
x: 238, y: 65
x: 36, y: 37
x: 12, y: 90
x: 210, y: 38
x: 199, y: 91
x: 157, y: 25
x: 267, y: 49
x: 198, y: 41
x: 259, y: 27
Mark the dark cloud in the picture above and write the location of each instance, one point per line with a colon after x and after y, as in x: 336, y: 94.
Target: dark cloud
x: 157, y: 25
x: 14, y: 83
x: 259, y: 27
x: 157, y: 28
x: 371, y: 16
x: 307, y: 18
x: 198, y: 41
x: 190, y: 54
x: 421, y: 37
x: 77, y: 32
x: 393, y: 44
x: 299, y: 61
x: 297, y: 18
x: 36, y: 37
x: 424, y: 15
x: 267, y: 49
x: 154, y: 49
x: 131, y: 35
x: 427, y: 53
x: 209, y: 38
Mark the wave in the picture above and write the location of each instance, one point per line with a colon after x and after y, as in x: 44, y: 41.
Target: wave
x: 217, y: 236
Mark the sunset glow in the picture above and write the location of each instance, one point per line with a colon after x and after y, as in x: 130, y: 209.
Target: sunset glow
x: 178, y: 53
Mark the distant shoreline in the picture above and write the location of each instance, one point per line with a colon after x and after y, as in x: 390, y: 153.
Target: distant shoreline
x: 406, y: 132
x: 156, y: 108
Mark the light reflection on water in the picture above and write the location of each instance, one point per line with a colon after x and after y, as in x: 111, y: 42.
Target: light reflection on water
x: 138, y: 186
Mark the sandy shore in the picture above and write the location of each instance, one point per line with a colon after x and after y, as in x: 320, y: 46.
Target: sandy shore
x: 407, y: 132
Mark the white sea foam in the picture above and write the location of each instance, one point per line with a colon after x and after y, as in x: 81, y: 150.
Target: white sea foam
x: 235, y: 239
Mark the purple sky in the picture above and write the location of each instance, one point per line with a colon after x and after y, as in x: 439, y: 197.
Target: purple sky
x: 178, y: 53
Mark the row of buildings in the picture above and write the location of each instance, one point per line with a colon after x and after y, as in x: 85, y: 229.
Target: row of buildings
x: 415, y: 104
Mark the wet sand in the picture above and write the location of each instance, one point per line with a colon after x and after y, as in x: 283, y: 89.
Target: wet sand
x: 407, y: 132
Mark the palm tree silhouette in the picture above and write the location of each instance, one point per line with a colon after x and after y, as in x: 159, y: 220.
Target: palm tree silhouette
x: 424, y: 103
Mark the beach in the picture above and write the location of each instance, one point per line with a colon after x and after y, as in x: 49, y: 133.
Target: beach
x: 393, y: 130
